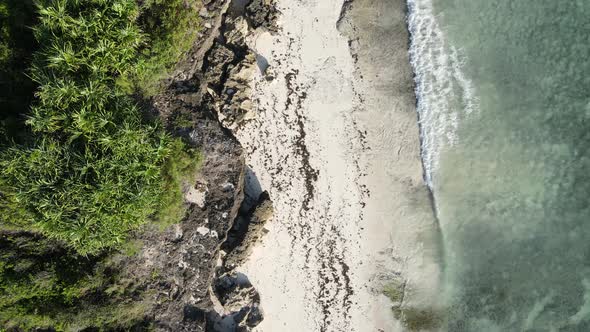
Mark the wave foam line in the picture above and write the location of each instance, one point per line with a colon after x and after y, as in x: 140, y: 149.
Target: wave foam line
x: 443, y: 91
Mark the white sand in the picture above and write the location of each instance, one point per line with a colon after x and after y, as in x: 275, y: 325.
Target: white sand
x: 339, y: 156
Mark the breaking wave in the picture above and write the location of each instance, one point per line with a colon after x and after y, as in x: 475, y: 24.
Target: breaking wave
x: 444, y: 93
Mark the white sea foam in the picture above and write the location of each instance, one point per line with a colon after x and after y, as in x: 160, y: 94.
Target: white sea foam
x: 444, y: 92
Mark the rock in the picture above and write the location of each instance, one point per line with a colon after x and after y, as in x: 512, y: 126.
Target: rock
x: 246, y: 105
x: 255, y: 316
x: 231, y: 289
x: 229, y: 85
x: 240, y: 302
x: 174, y: 291
x: 211, y: 92
x: 197, y: 195
x: 247, y: 231
x: 228, y: 187
x: 217, y: 60
x: 237, y: 31
x: 188, y: 252
x: 182, y: 264
x: 177, y: 233
x: 204, y: 13
x: 262, y: 14
x: 194, y: 314
x: 242, y: 329
x: 262, y: 63
x: 237, y: 105
x: 263, y: 211
x: 203, y: 230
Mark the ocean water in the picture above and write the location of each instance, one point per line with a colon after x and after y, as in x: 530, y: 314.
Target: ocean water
x: 504, y: 105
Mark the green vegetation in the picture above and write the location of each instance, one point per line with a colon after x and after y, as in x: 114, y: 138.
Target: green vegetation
x: 181, y: 120
x: 93, y: 170
x: 92, y: 173
x: 82, y: 166
x: 131, y: 247
x: 171, y: 27
x: 176, y: 171
x: 45, y: 285
x: 17, y: 44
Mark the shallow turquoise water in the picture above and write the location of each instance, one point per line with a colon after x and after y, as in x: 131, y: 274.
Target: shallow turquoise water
x: 504, y: 89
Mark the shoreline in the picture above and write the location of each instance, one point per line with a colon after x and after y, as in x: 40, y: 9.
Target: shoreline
x: 335, y: 142
x: 382, y: 48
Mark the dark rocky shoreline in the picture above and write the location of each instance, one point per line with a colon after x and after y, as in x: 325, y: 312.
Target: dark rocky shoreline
x: 188, y: 276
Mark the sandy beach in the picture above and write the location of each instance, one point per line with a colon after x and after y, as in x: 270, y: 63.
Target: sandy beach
x: 335, y: 142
